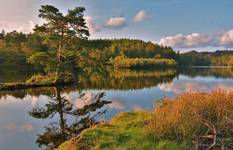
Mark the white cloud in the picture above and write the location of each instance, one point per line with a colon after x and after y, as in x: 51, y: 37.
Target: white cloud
x: 25, y: 127
x: 140, y: 16
x: 187, y: 41
x: 197, y: 40
x: 86, y: 99
x: 91, y: 25
x: 27, y: 28
x: 116, y: 22
x: 225, y: 39
x: 31, y: 24
x: 116, y: 104
x: 35, y: 100
x: 20, y: 27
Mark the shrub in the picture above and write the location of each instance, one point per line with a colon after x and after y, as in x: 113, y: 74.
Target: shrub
x: 42, y: 80
x: 49, y: 79
x: 195, y: 117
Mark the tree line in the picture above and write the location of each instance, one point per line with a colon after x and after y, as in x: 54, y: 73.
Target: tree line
x: 217, y: 58
x: 61, y: 45
x: 124, y: 62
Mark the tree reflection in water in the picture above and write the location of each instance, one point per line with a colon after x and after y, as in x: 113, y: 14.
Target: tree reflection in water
x: 79, y: 119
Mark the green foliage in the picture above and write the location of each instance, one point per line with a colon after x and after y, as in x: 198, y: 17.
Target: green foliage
x: 61, y: 30
x: 79, y: 54
x: 50, y: 79
x: 170, y: 145
x: 12, y: 59
x: 130, y: 48
x: 41, y: 80
x: 218, y: 58
x: 43, y: 60
x: 35, y: 42
x: 14, y: 74
x: 123, y: 62
x: 193, y: 58
x: 15, y: 39
x: 22, y: 43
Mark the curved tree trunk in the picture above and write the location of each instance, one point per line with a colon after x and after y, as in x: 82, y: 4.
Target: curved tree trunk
x: 208, y: 141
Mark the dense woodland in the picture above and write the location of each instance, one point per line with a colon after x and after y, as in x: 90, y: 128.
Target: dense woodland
x: 29, y: 47
x: 217, y: 58
x: 27, y: 50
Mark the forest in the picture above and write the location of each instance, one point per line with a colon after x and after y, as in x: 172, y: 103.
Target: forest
x: 217, y: 58
x: 29, y: 50
x: 31, y: 46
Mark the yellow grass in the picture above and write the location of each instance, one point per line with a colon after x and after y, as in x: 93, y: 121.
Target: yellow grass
x: 185, y: 118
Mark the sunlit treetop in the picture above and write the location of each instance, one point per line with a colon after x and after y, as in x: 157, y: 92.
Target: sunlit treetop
x: 60, y: 26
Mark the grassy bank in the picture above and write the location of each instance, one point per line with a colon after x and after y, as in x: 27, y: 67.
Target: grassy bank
x: 204, y: 120
x: 190, y: 121
x: 37, y: 81
x: 20, y: 86
x: 126, y: 131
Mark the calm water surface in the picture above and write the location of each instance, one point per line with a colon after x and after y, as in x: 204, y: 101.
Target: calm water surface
x: 38, y: 117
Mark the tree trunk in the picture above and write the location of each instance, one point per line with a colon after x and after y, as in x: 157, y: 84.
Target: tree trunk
x: 57, y: 73
x: 59, y: 62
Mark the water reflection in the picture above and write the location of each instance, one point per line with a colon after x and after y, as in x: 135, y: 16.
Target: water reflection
x: 217, y: 72
x: 127, y: 79
x: 197, y: 84
x: 47, y: 117
x: 72, y: 120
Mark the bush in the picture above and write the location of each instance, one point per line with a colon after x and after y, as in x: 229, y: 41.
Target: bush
x: 194, y: 116
x: 41, y: 80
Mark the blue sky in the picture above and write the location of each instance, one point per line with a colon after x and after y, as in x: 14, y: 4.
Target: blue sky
x: 182, y: 24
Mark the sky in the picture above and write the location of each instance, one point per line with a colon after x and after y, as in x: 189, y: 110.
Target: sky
x: 202, y: 25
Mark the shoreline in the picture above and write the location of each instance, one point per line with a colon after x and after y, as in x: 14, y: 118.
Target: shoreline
x: 168, y: 126
x: 20, y: 86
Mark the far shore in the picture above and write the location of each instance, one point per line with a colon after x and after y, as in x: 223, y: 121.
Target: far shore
x: 211, y: 66
x: 19, y: 86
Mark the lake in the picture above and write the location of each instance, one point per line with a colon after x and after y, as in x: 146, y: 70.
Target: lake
x: 43, y: 118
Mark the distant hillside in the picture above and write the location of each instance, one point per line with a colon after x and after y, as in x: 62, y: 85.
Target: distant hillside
x: 216, y: 53
x: 102, y: 50
x: 217, y: 58
x: 131, y: 48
